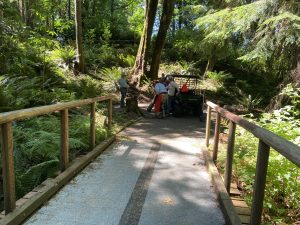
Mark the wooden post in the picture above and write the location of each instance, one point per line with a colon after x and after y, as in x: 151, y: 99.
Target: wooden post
x: 93, y: 126
x: 64, y: 149
x: 8, y: 167
x: 109, y: 113
x: 207, y: 133
x: 216, y: 137
x: 229, y: 158
x: 260, y: 183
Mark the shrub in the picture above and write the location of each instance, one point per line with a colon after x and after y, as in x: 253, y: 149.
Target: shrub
x: 282, y: 193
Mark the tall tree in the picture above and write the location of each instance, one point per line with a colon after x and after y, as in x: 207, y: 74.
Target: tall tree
x: 143, y: 52
x: 165, y: 20
x: 78, y: 26
x: 69, y: 9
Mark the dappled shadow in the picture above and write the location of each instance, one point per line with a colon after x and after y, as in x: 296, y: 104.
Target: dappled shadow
x: 175, y: 188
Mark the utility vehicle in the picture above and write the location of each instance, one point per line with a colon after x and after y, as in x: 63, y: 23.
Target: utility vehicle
x: 189, y: 100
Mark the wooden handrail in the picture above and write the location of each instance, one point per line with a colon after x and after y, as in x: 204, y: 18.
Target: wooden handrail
x: 266, y: 138
x: 42, y: 110
x: 281, y: 145
x: 6, y: 136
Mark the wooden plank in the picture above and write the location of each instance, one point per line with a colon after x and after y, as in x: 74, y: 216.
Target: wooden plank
x: 64, y: 139
x: 109, y: 113
x: 208, y: 120
x: 260, y: 182
x: 229, y: 156
x: 245, y: 219
x: 37, y: 111
x: 234, y: 191
x: 227, y: 207
x: 283, y: 146
x: 49, y: 188
x: 30, y: 194
x: 216, y: 137
x: 243, y: 210
x: 21, y: 201
x: 93, y: 126
x: 8, y: 172
x: 239, y: 203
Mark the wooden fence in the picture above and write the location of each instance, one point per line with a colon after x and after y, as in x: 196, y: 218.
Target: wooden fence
x: 6, y: 120
x: 266, y: 138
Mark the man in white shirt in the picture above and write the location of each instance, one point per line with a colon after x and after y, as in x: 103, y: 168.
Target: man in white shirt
x: 160, y: 100
x: 173, y: 90
x: 123, y: 89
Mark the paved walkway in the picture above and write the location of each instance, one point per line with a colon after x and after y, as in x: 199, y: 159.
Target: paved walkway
x: 153, y: 175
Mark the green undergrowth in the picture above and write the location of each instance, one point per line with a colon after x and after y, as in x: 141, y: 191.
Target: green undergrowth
x: 282, y: 193
x: 37, y: 143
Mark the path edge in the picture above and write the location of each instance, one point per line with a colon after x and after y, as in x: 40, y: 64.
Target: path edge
x: 231, y: 216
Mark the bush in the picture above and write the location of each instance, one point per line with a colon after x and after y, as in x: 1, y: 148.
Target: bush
x: 282, y: 193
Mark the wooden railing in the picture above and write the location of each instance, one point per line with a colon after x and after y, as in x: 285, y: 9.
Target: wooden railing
x: 266, y: 138
x: 6, y: 120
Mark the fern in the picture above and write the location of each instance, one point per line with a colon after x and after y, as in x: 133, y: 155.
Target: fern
x: 275, y: 36
x: 35, y: 175
x: 66, y: 54
x: 129, y: 60
x: 109, y: 74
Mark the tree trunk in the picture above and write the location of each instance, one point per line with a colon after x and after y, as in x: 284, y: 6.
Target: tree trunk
x: 180, y: 12
x: 94, y: 8
x: 173, y: 27
x: 21, y: 4
x: 29, y: 12
x: 211, y: 61
x: 165, y: 20
x: 78, y: 26
x: 141, y: 60
x: 69, y: 10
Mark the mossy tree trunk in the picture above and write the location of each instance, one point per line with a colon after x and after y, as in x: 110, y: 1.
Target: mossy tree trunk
x: 141, y: 60
x: 165, y: 20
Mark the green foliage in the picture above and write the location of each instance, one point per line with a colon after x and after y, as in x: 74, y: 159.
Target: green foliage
x: 135, y: 21
x: 66, y: 54
x: 219, y: 77
x: 111, y: 73
x: 84, y: 86
x: 181, y: 67
x: 185, y: 46
x: 282, y: 189
x: 276, y: 39
x: 37, y: 144
x: 222, y: 25
x: 110, y: 76
x: 127, y: 60
x: 35, y: 175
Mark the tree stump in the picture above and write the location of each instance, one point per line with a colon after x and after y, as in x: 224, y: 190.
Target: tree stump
x: 132, y: 103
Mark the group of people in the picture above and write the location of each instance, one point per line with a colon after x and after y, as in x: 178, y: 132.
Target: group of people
x: 166, y: 90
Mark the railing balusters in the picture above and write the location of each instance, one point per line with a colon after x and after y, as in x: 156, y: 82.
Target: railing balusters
x: 208, y: 120
x: 260, y: 182
x: 64, y: 149
x: 109, y: 113
x: 8, y: 167
x: 216, y: 136
x: 6, y: 139
x: 229, y: 157
x: 93, y: 126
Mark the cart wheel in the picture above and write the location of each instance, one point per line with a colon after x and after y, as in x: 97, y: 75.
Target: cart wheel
x: 178, y: 112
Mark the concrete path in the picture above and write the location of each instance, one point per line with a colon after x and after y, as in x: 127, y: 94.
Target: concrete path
x: 153, y: 175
